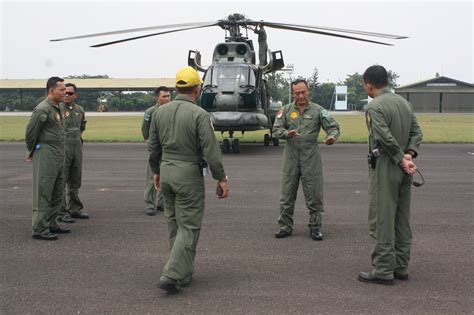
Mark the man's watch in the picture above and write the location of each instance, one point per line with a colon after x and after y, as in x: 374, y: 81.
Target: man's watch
x: 224, y: 179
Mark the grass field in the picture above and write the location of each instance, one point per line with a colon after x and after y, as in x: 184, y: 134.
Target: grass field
x: 437, y: 128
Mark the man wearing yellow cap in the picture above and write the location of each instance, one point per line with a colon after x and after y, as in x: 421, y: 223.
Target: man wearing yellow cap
x: 181, y: 141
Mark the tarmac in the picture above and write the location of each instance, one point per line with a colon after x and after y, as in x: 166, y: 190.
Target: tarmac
x: 111, y: 263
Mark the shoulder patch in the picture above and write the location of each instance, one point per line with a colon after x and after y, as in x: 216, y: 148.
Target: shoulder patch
x: 147, y: 117
x: 324, y: 113
x: 43, y: 117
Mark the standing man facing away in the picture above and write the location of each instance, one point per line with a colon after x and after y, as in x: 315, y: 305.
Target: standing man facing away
x: 181, y: 140
x: 153, y: 199
x: 75, y: 122
x: 262, y: 44
x: 394, y: 139
x: 44, y: 137
x: 299, y: 123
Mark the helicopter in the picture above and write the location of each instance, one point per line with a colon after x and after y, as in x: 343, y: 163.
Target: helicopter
x: 234, y: 90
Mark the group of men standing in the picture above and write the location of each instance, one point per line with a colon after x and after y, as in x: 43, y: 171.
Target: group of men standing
x: 54, y: 143
x: 181, y: 140
x: 182, y: 146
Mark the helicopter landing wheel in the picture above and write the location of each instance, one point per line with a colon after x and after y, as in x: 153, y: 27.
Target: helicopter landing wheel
x: 236, y: 146
x: 225, y: 146
x: 266, y: 140
x: 276, y: 142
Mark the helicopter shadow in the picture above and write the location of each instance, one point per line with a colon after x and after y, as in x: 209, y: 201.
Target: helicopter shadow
x: 252, y: 149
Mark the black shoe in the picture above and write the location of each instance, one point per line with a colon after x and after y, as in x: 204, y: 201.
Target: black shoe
x: 169, y: 285
x: 400, y: 277
x: 316, y: 234
x: 369, y: 278
x: 160, y: 209
x: 151, y: 211
x: 80, y: 215
x: 282, y: 234
x: 45, y: 237
x: 66, y: 219
x: 60, y: 230
x: 185, y: 284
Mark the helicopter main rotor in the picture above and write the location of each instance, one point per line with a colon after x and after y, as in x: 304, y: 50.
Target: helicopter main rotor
x: 233, y: 24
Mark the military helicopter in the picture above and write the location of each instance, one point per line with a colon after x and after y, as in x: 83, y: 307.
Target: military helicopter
x: 234, y: 91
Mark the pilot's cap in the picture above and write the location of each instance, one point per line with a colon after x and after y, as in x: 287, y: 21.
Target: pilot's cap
x: 187, y: 77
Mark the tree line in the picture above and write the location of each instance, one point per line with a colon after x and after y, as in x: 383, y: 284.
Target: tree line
x: 323, y: 93
x: 91, y: 100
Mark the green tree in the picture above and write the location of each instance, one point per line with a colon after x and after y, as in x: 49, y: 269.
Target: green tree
x: 320, y: 93
x: 279, y: 86
x: 392, y: 79
x: 355, y: 90
x: 324, y: 96
x: 313, y: 82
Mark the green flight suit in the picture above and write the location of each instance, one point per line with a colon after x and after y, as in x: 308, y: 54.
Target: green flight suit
x: 393, y: 130
x: 75, y: 123
x: 45, y: 139
x: 262, y: 46
x: 302, y: 160
x: 153, y: 198
x: 181, y: 136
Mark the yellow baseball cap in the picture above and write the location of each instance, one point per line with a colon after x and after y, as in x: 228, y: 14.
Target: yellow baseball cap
x: 187, y: 77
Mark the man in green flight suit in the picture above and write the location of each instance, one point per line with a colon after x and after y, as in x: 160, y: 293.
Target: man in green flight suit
x: 181, y: 144
x: 153, y: 199
x: 44, y: 137
x: 262, y: 44
x: 394, y: 139
x: 299, y: 123
x: 75, y: 121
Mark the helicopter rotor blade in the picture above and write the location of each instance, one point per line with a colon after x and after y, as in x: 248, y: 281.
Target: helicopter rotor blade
x: 132, y: 30
x: 302, y: 29
x: 150, y: 35
x: 332, y: 29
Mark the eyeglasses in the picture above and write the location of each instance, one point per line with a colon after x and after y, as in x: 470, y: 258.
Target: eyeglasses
x: 70, y: 93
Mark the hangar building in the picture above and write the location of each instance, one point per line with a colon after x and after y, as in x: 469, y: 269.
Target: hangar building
x: 439, y: 95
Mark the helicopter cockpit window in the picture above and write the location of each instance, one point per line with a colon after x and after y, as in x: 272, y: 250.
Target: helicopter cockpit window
x: 229, y: 77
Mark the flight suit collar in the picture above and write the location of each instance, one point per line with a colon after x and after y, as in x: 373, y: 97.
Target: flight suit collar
x: 50, y: 102
x: 182, y: 97
x: 385, y: 90
x: 296, y: 108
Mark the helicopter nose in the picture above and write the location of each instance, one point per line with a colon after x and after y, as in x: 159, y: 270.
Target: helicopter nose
x: 227, y: 102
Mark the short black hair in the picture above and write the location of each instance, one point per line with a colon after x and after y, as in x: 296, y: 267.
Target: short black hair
x: 377, y: 76
x: 52, y: 83
x: 161, y: 88
x: 298, y: 81
x: 73, y: 85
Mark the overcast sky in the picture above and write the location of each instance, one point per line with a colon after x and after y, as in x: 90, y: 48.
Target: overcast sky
x: 441, y: 37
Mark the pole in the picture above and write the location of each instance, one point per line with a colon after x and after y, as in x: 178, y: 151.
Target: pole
x: 289, y: 90
x: 289, y: 68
